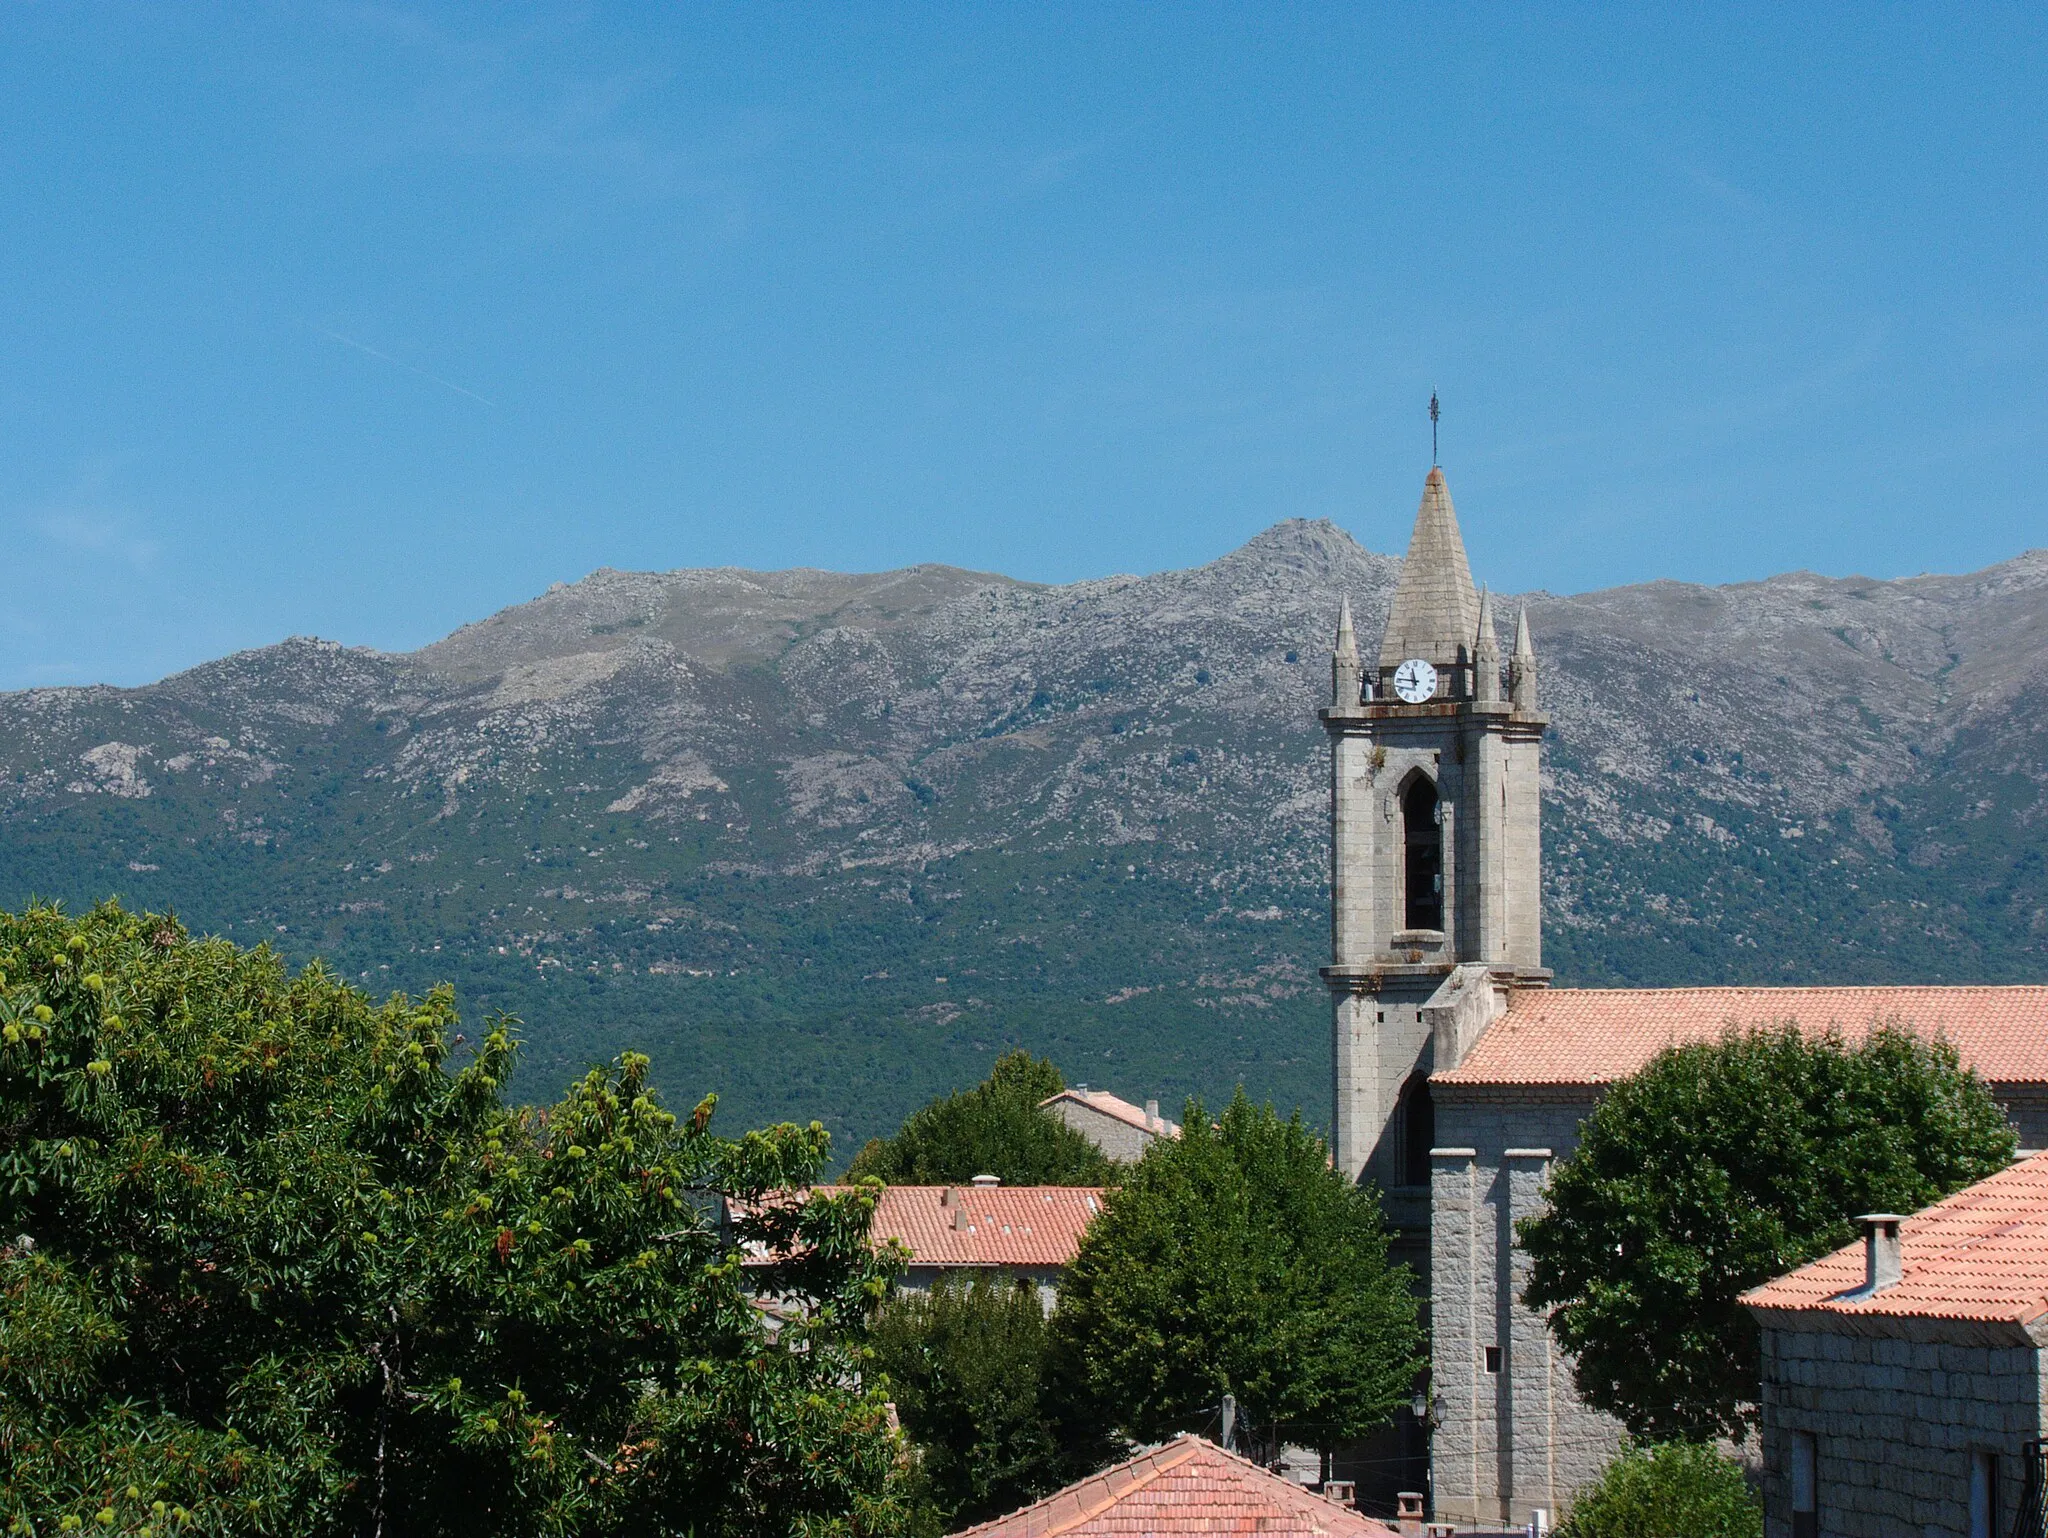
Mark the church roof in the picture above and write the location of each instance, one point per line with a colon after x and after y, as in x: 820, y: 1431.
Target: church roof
x: 1593, y: 1036
x: 1189, y: 1486
x: 1981, y: 1254
x: 1435, y: 609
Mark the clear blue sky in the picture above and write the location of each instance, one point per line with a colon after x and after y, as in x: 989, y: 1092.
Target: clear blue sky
x: 365, y: 320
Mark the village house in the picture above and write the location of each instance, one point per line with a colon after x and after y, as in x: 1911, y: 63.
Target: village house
x: 1028, y: 1234
x: 1903, y: 1374
x: 1118, y: 1128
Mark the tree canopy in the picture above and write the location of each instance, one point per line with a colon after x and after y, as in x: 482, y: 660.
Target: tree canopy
x: 279, y: 1260
x: 966, y: 1368
x: 1235, y: 1260
x: 996, y: 1128
x: 1718, y: 1166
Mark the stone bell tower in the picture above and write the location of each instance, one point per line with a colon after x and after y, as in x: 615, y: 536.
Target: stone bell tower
x: 1435, y: 852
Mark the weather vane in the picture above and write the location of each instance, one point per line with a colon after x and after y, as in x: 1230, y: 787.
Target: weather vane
x: 1432, y: 427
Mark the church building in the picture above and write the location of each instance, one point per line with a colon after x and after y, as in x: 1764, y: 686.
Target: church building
x: 1459, y: 1074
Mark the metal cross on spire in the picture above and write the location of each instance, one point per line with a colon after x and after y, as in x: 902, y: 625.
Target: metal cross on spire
x: 1432, y: 427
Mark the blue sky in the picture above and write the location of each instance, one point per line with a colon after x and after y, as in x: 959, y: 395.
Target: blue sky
x: 363, y: 321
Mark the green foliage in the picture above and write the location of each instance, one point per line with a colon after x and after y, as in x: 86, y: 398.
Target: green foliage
x: 286, y: 1264
x: 1672, y: 1490
x: 965, y: 1365
x: 1723, y: 1164
x: 1234, y: 1260
x: 996, y: 1128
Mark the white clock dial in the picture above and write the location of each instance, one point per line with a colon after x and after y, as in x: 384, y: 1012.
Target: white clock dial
x: 1415, y: 680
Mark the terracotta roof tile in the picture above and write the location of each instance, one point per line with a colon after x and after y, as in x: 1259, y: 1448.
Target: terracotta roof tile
x: 1187, y: 1486
x: 1982, y: 1254
x: 1594, y: 1036
x: 997, y: 1226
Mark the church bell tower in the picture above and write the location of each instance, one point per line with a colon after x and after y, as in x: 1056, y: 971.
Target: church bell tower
x: 1435, y: 848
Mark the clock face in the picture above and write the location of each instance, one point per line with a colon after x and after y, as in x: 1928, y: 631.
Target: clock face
x: 1415, y: 680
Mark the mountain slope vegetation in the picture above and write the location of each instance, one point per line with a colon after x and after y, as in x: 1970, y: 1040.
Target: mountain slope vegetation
x: 833, y: 843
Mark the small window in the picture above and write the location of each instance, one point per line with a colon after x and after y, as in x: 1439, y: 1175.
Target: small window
x: 1983, y: 1495
x: 1805, y: 1480
x: 1493, y: 1359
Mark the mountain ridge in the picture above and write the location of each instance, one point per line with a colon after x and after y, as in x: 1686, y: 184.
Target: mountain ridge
x: 829, y: 840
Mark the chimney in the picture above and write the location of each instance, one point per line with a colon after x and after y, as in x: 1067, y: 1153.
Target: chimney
x: 959, y: 1214
x: 1151, y: 1113
x: 1081, y: 1090
x: 1881, y: 1264
x: 985, y: 1181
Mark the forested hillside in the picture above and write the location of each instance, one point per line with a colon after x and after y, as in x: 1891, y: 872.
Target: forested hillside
x: 830, y: 843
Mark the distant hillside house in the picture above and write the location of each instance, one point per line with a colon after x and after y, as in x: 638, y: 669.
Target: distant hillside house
x: 1461, y: 1077
x: 1118, y: 1128
x: 1027, y: 1233
x: 1902, y: 1375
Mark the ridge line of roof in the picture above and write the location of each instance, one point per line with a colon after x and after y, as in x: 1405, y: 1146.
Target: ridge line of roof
x: 1162, y: 1460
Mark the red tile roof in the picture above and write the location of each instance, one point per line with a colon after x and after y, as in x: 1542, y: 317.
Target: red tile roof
x: 1980, y: 1255
x: 996, y: 1225
x: 1594, y: 1036
x: 1113, y: 1105
x: 1187, y: 1486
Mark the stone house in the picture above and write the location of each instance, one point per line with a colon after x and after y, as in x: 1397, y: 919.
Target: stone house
x: 1458, y: 1075
x: 1118, y: 1128
x: 1903, y: 1374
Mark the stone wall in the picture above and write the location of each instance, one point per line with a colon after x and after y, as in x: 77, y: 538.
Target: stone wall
x: 1511, y: 1435
x: 1045, y: 1280
x: 1117, y: 1138
x: 1895, y: 1420
x: 2027, y: 1109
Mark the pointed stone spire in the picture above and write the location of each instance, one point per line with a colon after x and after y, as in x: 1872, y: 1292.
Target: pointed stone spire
x: 1486, y: 654
x: 1522, y: 667
x: 1345, y: 667
x: 1436, y: 612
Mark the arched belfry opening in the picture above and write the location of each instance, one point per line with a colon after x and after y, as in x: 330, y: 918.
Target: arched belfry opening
x: 1422, y: 826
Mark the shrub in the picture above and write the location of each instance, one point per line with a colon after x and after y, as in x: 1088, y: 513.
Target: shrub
x: 1668, y: 1490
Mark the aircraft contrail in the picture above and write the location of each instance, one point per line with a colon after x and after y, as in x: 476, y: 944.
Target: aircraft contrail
x: 446, y: 384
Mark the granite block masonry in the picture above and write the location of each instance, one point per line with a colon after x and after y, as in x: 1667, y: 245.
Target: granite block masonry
x: 1903, y: 1374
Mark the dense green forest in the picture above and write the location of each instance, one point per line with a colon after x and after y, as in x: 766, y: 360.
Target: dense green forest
x: 803, y: 998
